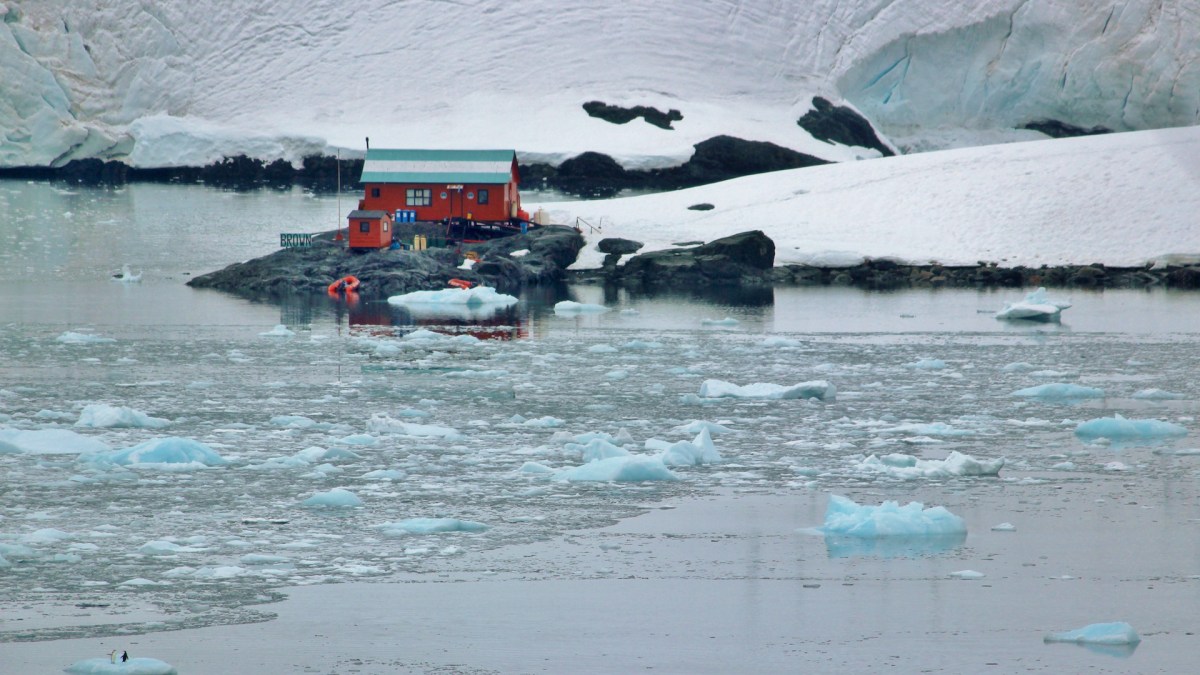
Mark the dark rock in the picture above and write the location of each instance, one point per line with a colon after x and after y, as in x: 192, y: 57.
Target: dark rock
x: 1060, y: 129
x: 701, y: 207
x: 742, y: 259
x: 389, y: 272
x: 841, y: 124
x: 619, y: 115
x: 618, y: 245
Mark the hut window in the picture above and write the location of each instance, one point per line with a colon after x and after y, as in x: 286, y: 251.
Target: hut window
x: 483, y: 196
x: 418, y: 197
x: 364, y: 226
x: 375, y: 192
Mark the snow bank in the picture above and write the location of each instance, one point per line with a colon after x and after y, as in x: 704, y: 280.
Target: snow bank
x: 818, y: 389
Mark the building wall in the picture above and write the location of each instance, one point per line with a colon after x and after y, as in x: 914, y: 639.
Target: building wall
x: 380, y: 234
x: 456, y: 203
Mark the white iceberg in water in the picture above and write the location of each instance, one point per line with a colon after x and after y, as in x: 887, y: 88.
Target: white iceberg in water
x: 1114, y: 633
x: 634, y: 468
x: 335, y: 498
x: 1119, y: 428
x: 1035, y: 307
x: 908, y: 467
x: 279, y: 330
x: 478, y: 295
x: 819, y: 389
x: 49, y: 442
x: 570, y: 307
x: 99, y: 415
x: 127, y: 276
x: 846, y: 518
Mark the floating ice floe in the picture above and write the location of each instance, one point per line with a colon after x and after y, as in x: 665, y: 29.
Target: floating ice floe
x: 49, y: 442
x: 727, y: 321
x: 928, y: 429
x: 74, y: 338
x: 926, y: 364
x: 1035, y: 307
x: 633, y: 468
x: 1059, y: 391
x: 1157, y: 395
x: 967, y: 575
x: 335, y: 498
x: 106, y: 666
x: 570, y: 308
x: 279, y: 330
x: 818, y: 389
x: 471, y: 297
x: 908, y: 467
x: 381, y: 423
x: 99, y: 415
x: 846, y: 518
x: 1119, y: 428
x: 696, y: 452
x: 431, y: 526
x: 1114, y: 633
x: 172, y: 450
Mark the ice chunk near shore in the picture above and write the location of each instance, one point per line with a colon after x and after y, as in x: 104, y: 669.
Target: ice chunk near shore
x: 571, y: 308
x: 475, y: 296
x: 99, y: 415
x: 634, y: 468
x: 1035, y: 307
x: 48, y: 442
x: 1119, y: 428
x: 1114, y: 633
x: 1059, y: 391
x: 279, y: 330
x: 908, y: 467
x: 105, y: 666
x: 818, y: 389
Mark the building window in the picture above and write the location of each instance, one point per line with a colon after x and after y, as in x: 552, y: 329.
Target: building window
x: 375, y: 193
x: 364, y: 226
x: 418, y: 197
x: 483, y: 196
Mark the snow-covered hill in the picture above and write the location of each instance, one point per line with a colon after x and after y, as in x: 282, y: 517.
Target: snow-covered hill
x: 176, y: 82
x: 1119, y: 200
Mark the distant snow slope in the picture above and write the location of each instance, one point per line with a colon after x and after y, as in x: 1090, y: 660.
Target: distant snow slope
x: 1119, y: 200
x: 175, y: 82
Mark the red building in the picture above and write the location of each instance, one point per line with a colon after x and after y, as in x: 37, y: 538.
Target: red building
x: 434, y: 185
x: 369, y: 229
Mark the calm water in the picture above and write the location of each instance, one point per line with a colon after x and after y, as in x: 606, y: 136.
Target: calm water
x: 347, y: 381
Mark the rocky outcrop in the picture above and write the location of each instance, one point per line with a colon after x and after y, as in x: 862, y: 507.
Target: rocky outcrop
x: 390, y: 272
x: 619, y: 115
x: 841, y: 124
x: 1060, y: 129
x: 741, y: 259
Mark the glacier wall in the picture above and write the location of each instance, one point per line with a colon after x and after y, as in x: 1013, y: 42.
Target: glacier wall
x: 185, y: 82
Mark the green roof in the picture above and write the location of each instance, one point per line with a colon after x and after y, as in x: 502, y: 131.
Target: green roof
x: 384, y: 165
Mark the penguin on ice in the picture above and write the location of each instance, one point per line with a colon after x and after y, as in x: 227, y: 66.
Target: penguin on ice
x: 124, y: 657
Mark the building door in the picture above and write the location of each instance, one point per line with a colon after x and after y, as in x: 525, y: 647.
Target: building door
x: 457, y: 208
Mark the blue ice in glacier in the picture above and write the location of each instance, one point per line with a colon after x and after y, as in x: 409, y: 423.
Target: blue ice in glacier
x: 1119, y: 428
x: 1059, y: 391
x: 844, y: 517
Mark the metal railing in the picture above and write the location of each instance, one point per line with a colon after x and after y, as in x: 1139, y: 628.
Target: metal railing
x: 598, y: 228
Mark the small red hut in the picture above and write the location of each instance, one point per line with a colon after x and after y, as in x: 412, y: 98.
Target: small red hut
x: 370, y: 229
x: 432, y: 185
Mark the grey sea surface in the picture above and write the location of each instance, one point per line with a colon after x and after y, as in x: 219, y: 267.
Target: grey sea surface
x: 718, y: 571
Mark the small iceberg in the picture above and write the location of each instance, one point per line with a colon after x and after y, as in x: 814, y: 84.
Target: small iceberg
x: 107, y: 665
x: 1118, y: 428
x: 889, y: 530
x: 478, y: 302
x: 572, y: 308
x: 818, y: 389
x: 1035, y: 307
x: 1059, y: 392
x: 337, y: 498
x: 279, y: 330
x: 1115, y: 639
x: 160, y: 451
